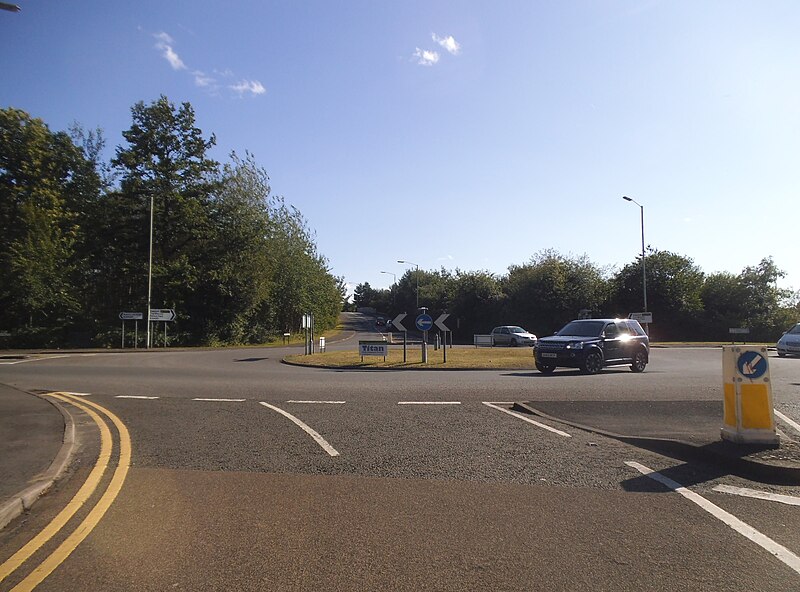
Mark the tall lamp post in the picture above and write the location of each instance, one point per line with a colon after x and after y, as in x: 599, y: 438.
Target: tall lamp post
x: 644, y: 270
x: 150, y: 273
x: 394, y: 276
x: 416, y: 274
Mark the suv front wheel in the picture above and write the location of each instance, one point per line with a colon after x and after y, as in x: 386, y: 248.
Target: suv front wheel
x: 592, y: 363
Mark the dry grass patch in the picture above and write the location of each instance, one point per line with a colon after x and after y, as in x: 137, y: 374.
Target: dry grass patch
x: 502, y: 358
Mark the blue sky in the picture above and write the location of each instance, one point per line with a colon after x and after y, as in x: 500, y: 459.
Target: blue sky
x: 460, y: 134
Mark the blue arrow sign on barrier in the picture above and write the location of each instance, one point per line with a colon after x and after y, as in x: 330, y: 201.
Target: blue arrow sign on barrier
x: 424, y: 322
x: 752, y: 365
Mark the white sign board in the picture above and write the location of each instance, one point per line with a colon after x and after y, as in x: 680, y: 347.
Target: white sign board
x: 739, y: 331
x: 642, y: 317
x: 162, y: 314
x: 131, y: 316
x: 373, y: 348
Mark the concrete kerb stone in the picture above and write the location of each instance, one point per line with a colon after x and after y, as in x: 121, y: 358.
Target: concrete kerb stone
x: 718, y: 453
x: 25, y: 499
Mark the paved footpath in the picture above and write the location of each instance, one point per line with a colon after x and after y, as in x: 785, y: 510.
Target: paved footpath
x: 31, y: 436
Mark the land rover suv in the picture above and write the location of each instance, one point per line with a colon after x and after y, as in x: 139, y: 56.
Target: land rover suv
x: 592, y: 344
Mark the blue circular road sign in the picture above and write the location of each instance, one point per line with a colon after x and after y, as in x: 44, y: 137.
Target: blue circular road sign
x: 424, y: 322
x: 752, y: 365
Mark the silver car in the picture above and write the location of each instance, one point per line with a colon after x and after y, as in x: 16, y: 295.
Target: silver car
x: 790, y: 342
x: 513, y: 336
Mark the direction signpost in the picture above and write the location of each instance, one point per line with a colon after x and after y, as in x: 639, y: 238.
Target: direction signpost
x: 131, y: 316
x: 165, y: 315
x: 444, y: 329
x: 397, y: 322
x: 424, y: 322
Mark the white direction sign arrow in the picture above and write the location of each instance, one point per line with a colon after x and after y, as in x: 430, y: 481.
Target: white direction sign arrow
x: 440, y: 322
x: 162, y: 314
x: 397, y: 319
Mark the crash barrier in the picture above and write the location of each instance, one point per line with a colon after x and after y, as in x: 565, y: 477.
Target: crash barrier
x: 482, y: 340
x: 748, y: 414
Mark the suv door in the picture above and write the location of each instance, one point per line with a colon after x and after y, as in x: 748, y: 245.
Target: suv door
x: 613, y: 343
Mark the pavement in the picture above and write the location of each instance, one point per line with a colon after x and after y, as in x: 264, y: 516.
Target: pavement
x: 686, y: 430
x: 36, y: 442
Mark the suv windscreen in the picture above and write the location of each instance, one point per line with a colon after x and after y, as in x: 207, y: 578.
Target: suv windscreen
x: 794, y: 330
x: 583, y: 329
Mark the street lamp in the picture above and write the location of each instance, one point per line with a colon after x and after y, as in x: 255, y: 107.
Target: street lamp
x: 394, y: 276
x: 644, y: 272
x: 150, y: 274
x: 417, y: 275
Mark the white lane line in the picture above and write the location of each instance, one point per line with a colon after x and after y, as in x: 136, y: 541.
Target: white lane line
x: 135, y: 397
x: 320, y: 402
x: 222, y: 400
x: 429, y: 402
x: 788, y: 420
x: 8, y: 363
x: 307, y: 429
x: 76, y: 394
x: 790, y: 500
x: 528, y: 419
x: 776, y: 549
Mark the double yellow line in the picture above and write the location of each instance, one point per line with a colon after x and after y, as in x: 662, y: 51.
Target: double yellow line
x: 46, y: 567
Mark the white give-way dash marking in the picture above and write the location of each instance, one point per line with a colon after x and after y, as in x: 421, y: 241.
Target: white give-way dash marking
x: 306, y: 428
x: 527, y: 419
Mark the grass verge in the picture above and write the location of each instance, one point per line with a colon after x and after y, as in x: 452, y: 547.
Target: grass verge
x: 500, y: 358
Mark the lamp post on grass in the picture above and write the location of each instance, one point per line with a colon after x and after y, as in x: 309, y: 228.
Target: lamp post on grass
x: 644, y: 269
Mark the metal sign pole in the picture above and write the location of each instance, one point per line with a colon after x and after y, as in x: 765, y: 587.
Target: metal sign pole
x: 135, y: 334
x: 405, y: 339
x: 165, y: 333
x: 444, y: 349
x: 123, y: 333
x: 424, y: 347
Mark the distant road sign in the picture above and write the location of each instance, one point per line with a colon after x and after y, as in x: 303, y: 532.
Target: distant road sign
x: 131, y: 316
x: 642, y: 317
x: 162, y: 314
x: 739, y: 331
x: 373, y: 348
x: 440, y: 322
x: 424, y: 322
x: 397, y: 320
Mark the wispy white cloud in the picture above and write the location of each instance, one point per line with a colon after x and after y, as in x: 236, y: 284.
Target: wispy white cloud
x: 203, y: 80
x: 253, y: 87
x: 164, y: 44
x: 448, y: 43
x: 211, y: 83
x: 446, y: 258
x: 426, y: 57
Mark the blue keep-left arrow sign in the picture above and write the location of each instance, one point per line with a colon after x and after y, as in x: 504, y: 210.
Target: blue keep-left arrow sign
x: 752, y: 365
x: 424, y: 322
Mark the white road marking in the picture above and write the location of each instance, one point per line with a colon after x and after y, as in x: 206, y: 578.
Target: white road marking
x: 776, y: 549
x: 307, y: 429
x: 429, y: 402
x: 76, y: 394
x: 222, y: 400
x: 528, y: 419
x: 788, y: 420
x: 135, y: 397
x: 790, y: 500
x: 320, y: 402
x: 11, y: 362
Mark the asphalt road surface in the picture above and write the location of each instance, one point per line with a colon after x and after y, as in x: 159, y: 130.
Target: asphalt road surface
x: 248, y: 474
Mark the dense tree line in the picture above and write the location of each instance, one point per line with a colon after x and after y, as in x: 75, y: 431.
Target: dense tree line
x: 551, y: 289
x: 237, y: 263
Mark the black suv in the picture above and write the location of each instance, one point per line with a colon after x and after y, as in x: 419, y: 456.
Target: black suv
x: 591, y: 344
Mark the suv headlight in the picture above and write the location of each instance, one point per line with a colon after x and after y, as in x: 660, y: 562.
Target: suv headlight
x: 575, y: 345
